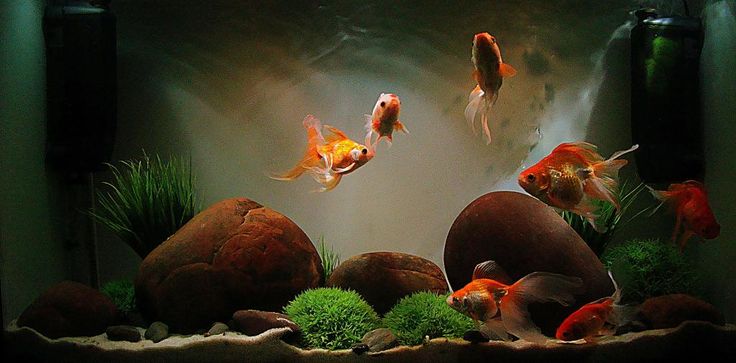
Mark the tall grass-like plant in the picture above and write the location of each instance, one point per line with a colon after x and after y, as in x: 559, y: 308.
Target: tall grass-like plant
x: 330, y: 258
x: 607, y: 218
x: 147, y: 201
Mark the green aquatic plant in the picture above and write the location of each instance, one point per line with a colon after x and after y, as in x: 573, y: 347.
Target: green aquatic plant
x: 332, y: 318
x: 425, y: 314
x: 330, y: 258
x: 648, y: 268
x: 122, y: 294
x: 147, y: 201
x: 607, y: 217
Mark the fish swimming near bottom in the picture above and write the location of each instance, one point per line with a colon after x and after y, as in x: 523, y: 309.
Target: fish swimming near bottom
x: 502, y: 308
x: 597, y: 318
x: 328, y: 159
x: 690, y: 202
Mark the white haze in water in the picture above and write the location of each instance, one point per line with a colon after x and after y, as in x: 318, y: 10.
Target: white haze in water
x: 230, y: 82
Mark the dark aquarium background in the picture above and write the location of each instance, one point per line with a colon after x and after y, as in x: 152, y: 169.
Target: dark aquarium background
x: 227, y: 84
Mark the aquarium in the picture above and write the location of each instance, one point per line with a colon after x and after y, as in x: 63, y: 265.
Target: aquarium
x: 367, y: 180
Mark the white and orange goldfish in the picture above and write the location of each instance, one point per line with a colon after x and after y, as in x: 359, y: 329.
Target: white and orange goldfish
x: 385, y: 118
x: 328, y: 159
x: 690, y: 202
x: 597, y: 318
x: 503, y: 308
x: 572, y: 176
x: 489, y: 71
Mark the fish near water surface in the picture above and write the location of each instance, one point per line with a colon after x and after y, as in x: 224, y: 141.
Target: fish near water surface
x: 502, y: 308
x: 572, y: 176
x: 384, y: 119
x: 489, y: 71
x: 692, y: 210
x: 328, y: 159
x: 596, y: 318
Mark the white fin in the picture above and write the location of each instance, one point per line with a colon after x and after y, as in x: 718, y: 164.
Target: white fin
x: 474, y: 100
x: 537, y: 287
x: 345, y: 169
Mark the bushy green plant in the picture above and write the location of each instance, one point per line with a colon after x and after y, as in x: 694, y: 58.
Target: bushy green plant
x: 647, y: 268
x: 330, y: 258
x: 147, y: 201
x: 122, y: 294
x: 425, y: 314
x: 608, y: 218
x: 332, y: 318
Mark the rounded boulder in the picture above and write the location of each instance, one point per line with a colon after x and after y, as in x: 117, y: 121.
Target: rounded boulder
x: 383, y: 278
x: 69, y: 309
x: 523, y: 235
x: 237, y: 254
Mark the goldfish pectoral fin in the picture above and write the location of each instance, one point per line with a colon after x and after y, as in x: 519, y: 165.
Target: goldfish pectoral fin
x: 400, y: 127
x: 345, y: 169
x: 506, y: 70
x: 495, y: 328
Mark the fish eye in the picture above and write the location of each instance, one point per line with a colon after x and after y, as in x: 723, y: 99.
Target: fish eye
x: 383, y: 103
x: 493, y: 39
x: 364, y: 151
x: 455, y: 299
x: 531, y: 178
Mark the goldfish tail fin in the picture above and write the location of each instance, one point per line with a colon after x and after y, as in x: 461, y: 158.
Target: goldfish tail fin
x: 537, y: 287
x: 311, y: 157
x: 484, y: 121
x: 604, y: 176
x: 474, y: 100
x: 292, y: 174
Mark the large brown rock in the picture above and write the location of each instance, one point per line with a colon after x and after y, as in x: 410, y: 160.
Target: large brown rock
x: 669, y: 311
x: 235, y: 255
x: 69, y: 309
x: 382, y: 278
x: 523, y: 235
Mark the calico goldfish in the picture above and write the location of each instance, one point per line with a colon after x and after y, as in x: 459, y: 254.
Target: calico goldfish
x: 489, y: 71
x: 328, y: 159
x: 572, y: 176
x: 385, y: 118
x: 503, y: 308
x: 596, y: 318
x: 690, y: 202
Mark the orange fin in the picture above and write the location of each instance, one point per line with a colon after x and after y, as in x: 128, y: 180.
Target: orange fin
x: 400, y: 127
x: 337, y: 134
x: 477, y: 76
x: 506, y: 70
x: 491, y: 270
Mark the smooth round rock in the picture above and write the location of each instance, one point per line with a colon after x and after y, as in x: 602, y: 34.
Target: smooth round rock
x: 523, y: 235
x: 157, y: 332
x: 380, y: 339
x: 216, y: 329
x: 125, y: 333
x: 255, y: 322
x: 669, y: 311
x: 383, y: 278
x: 235, y: 254
x: 69, y: 309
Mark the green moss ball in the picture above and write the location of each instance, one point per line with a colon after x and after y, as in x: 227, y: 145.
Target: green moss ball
x: 332, y: 318
x: 122, y: 294
x: 425, y: 314
x: 648, y: 268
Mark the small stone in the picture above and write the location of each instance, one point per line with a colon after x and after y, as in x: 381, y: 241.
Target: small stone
x: 217, y: 328
x: 123, y: 333
x: 360, y: 348
x: 157, y: 332
x: 476, y: 336
x: 669, y: 311
x: 380, y: 339
x: 255, y: 322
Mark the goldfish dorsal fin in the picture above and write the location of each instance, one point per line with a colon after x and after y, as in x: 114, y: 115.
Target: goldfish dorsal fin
x: 491, y: 270
x: 337, y: 134
x: 506, y: 70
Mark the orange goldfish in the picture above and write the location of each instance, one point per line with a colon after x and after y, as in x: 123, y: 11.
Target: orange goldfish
x: 572, y: 175
x: 690, y: 202
x: 503, y: 308
x: 488, y: 74
x: 328, y: 159
x: 591, y: 319
x: 385, y: 118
